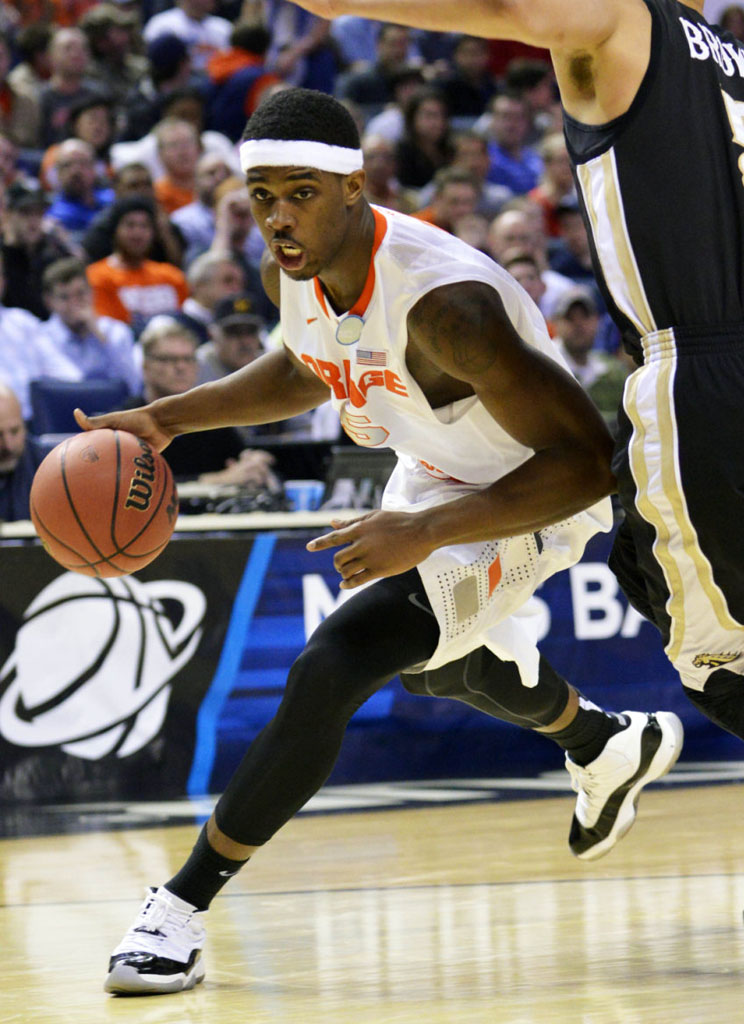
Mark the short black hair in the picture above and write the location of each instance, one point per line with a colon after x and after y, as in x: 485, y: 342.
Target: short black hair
x: 130, y: 204
x: 303, y: 115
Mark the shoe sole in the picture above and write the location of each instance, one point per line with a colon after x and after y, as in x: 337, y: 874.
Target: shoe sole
x: 665, y: 756
x: 125, y: 980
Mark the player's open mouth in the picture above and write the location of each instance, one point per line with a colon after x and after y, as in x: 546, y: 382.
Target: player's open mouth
x: 288, y: 255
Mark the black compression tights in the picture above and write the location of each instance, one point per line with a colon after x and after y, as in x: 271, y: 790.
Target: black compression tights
x: 351, y: 655
x: 368, y: 640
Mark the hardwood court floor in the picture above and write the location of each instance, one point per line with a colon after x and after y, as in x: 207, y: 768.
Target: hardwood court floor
x: 458, y: 914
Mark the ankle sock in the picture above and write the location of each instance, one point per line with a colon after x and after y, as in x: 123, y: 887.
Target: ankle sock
x: 585, y: 738
x: 204, y: 874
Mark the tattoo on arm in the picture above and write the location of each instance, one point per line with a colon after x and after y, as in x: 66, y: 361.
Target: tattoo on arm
x: 460, y: 333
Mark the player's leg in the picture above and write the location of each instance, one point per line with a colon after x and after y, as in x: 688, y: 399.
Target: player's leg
x: 378, y: 632
x: 679, y: 555
x: 610, y: 757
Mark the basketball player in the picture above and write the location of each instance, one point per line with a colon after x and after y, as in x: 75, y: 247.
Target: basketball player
x: 426, y: 346
x: 653, y: 100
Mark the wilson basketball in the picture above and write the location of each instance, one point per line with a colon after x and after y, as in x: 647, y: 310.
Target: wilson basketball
x: 104, y: 503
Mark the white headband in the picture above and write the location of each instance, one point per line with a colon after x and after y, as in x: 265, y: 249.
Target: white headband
x: 299, y: 153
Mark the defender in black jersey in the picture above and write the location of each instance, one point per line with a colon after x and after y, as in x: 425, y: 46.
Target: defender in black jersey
x: 653, y: 100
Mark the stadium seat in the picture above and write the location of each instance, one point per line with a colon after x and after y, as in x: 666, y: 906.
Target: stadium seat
x: 53, y: 401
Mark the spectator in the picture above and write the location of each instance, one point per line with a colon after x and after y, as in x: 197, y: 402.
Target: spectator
x: 192, y: 22
x: 68, y: 57
x: 78, y: 197
x: 426, y: 145
x: 239, y: 77
x: 355, y: 38
x: 602, y: 376
x: 391, y: 120
x: 381, y: 185
x: 515, y: 229
x: 214, y: 456
x: 212, y: 277
x: 196, y: 220
x: 524, y: 268
x: 572, y: 256
x: 533, y: 80
x: 471, y: 155
x: 19, y: 459
x: 29, y: 245
x: 556, y: 184
x: 20, y: 113
x: 92, y: 120
x: 26, y: 355
x: 455, y: 196
x: 101, y: 347
x: 469, y: 87
x: 236, y: 233
x: 513, y: 163
x: 127, y: 285
x: 732, y: 19
x: 184, y: 105
x: 33, y: 67
x: 179, y: 149
x: 134, y: 180
x: 372, y: 87
x: 169, y: 69
x: 300, y: 52
x: 236, y: 339
x: 114, y: 66
x: 10, y: 169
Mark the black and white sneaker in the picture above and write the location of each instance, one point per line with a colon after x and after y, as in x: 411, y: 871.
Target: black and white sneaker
x: 161, y: 952
x: 610, y: 785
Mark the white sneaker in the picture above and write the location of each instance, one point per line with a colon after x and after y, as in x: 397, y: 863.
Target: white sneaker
x: 161, y: 952
x: 609, y: 786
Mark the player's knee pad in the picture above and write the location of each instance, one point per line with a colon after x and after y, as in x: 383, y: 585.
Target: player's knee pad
x: 722, y: 700
x: 495, y: 687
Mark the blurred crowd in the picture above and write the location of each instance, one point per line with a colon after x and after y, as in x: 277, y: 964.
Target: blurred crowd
x: 128, y: 253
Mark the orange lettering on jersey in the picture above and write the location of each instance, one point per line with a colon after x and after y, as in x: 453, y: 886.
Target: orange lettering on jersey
x: 356, y: 392
x: 395, y: 384
x: 494, y: 574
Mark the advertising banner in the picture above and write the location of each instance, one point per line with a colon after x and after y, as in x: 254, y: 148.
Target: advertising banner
x: 153, y: 685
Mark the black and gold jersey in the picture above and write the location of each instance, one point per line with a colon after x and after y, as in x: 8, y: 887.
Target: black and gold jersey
x: 662, y: 186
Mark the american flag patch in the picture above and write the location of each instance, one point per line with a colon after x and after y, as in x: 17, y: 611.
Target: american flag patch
x: 371, y: 357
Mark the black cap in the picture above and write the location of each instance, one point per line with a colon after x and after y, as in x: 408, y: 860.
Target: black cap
x: 238, y: 309
x: 166, y: 52
x: 25, y: 197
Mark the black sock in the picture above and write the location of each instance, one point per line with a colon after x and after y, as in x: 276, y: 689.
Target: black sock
x: 585, y: 738
x: 203, y: 874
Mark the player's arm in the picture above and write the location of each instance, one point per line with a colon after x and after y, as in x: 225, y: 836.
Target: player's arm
x: 553, y: 24
x: 273, y: 387
x: 463, y: 330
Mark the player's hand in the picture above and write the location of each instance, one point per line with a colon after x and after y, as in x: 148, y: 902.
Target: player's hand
x: 136, y: 421
x: 375, y: 545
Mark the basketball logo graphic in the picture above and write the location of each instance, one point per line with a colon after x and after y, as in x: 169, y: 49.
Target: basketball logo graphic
x: 92, y: 662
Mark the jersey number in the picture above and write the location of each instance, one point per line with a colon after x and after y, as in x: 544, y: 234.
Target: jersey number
x: 735, y: 111
x: 361, y: 429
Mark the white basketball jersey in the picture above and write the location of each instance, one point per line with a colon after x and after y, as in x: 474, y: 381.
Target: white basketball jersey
x: 442, y: 453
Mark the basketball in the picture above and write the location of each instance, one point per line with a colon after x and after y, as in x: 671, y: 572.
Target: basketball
x: 104, y: 503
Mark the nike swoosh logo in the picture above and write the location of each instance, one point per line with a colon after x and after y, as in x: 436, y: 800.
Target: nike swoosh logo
x: 413, y: 598
x: 228, y: 874
x: 311, y: 319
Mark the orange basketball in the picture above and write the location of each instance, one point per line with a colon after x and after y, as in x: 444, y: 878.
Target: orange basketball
x: 104, y: 503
